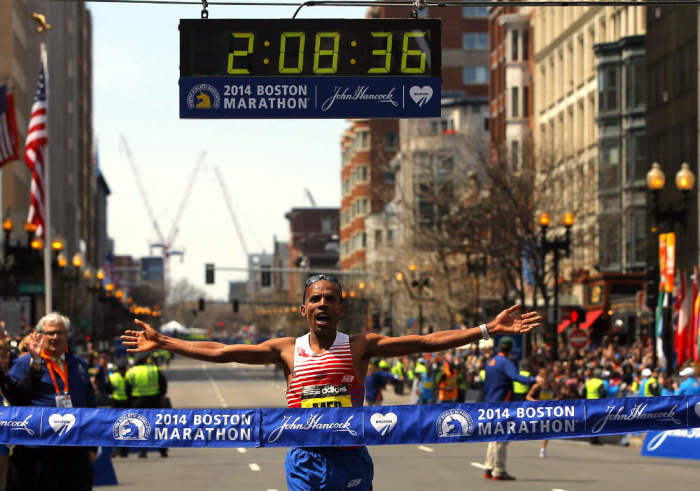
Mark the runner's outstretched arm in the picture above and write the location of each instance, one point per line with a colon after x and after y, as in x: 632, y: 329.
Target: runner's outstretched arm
x: 149, y: 339
x: 507, y: 322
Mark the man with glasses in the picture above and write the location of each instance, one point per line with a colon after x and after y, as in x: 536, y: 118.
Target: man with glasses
x: 327, y: 368
x: 65, y: 382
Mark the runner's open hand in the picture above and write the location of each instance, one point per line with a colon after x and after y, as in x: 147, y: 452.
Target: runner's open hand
x: 140, y: 341
x: 510, y: 322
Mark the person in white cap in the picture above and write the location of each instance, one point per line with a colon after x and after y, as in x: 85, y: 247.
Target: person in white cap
x: 690, y: 386
x: 646, y: 373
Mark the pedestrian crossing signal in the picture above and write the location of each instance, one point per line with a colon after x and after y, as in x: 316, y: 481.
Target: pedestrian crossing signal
x: 209, y: 273
x: 234, y: 302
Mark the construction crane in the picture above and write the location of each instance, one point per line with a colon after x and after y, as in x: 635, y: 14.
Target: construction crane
x: 310, y: 197
x: 164, y: 243
x: 224, y: 190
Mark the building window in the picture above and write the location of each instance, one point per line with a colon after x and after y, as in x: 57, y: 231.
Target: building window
x: 447, y: 125
x: 362, y: 174
x: 607, y: 89
x: 391, y: 141
x: 468, y: 12
x: 515, y: 154
x: 475, y: 75
x: 526, y: 44
x: 514, y: 37
x: 526, y: 101
x: 514, y: 102
x: 609, y: 171
x: 389, y: 236
x: 475, y: 41
x: 377, y: 239
x: 636, y: 83
x: 363, y: 238
x: 362, y: 140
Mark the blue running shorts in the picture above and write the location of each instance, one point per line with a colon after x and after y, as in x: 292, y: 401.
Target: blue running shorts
x: 329, y: 469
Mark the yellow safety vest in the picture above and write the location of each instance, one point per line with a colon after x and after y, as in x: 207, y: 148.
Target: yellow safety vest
x: 143, y: 380
x: 520, y: 388
x: 592, y: 387
x: 118, y: 386
x: 647, y: 386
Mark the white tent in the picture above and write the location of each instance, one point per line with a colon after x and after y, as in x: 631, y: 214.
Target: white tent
x: 174, y: 327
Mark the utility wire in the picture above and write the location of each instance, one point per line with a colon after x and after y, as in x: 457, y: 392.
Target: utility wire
x: 369, y: 3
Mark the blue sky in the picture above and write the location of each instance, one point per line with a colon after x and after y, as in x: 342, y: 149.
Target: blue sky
x: 266, y: 163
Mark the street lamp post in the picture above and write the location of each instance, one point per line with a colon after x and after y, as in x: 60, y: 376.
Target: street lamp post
x: 556, y: 247
x: 672, y: 215
x: 476, y: 266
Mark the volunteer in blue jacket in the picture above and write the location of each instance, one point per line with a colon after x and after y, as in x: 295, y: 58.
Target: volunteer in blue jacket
x: 690, y: 386
x: 498, y: 387
x: 65, y: 382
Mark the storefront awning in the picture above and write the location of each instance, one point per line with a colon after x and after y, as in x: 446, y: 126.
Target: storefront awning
x: 591, y: 317
x: 563, y: 325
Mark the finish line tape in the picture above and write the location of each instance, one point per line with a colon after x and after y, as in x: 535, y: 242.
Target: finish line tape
x: 372, y: 425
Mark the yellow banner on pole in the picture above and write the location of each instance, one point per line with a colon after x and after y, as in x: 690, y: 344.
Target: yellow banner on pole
x: 670, y: 260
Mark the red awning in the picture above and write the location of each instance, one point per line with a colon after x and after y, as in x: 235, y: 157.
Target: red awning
x: 563, y: 325
x: 591, y: 317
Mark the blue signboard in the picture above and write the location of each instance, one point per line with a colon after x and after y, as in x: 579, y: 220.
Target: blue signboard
x: 676, y: 444
x: 310, y: 97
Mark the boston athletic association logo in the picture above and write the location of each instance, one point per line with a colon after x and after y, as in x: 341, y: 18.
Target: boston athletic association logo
x: 203, y: 96
x: 454, y: 423
x: 131, y: 426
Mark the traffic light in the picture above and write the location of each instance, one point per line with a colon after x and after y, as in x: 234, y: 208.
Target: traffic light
x: 577, y: 315
x: 201, y: 305
x: 652, y: 286
x: 234, y: 302
x: 209, y: 273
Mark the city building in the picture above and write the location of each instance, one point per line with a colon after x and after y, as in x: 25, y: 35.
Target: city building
x: 577, y: 154
x: 71, y: 170
x: 672, y: 115
x: 313, y: 244
x: 510, y: 83
x: 368, y: 146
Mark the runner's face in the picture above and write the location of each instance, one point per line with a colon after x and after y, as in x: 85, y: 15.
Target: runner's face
x: 322, y: 307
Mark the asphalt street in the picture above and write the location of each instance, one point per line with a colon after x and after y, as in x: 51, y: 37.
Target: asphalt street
x: 571, y: 465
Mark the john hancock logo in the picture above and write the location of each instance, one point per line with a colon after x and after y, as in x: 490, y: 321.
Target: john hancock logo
x: 454, y: 423
x: 203, y: 96
x: 131, y: 426
x: 636, y: 413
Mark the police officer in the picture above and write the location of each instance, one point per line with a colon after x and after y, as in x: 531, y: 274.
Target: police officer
x: 595, y: 389
x: 498, y: 386
x: 146, y: 386
x: 116, y: 386
x: 520, y: 390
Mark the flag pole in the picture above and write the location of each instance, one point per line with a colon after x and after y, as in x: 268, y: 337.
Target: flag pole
x: 48, y: 280
x: 43, y: 27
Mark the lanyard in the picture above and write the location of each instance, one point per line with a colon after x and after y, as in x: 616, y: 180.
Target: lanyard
x: 51, y: 366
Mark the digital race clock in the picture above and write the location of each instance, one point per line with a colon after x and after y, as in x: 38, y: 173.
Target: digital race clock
x: 369, y: 67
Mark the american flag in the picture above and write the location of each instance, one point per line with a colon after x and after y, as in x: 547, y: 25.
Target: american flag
x: 8, y: 127
x: 35, y: 148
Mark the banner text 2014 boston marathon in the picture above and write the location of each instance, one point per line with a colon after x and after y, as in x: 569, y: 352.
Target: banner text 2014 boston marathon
x: 375, y: 425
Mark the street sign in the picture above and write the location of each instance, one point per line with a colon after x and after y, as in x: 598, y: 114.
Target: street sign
x: 578, y: 339
x: 310, y: 68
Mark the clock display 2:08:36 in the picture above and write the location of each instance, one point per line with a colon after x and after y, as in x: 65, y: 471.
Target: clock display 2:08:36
x: 298, y: 52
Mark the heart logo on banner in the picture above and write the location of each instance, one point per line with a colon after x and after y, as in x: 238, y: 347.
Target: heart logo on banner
x: 383, y: 423
x: 61, y: 423
x: 421, y: 95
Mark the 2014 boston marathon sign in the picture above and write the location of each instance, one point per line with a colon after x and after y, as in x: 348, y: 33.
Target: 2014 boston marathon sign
x: 310, y: 68
x: 342, y: 426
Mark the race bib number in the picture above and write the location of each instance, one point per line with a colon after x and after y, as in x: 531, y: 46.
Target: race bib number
x: 325, y: 396
x: 63, y: 400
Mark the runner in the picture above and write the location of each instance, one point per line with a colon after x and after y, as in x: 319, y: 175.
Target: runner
x: 327, y: 359
x: 542, y: 390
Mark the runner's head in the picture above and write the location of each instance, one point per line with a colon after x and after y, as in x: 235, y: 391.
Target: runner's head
x: 322, y: 303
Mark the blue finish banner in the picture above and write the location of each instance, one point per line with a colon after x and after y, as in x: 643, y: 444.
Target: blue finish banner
x: 676, y: 444
x: 309, y: 97
x: 373, y: 425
